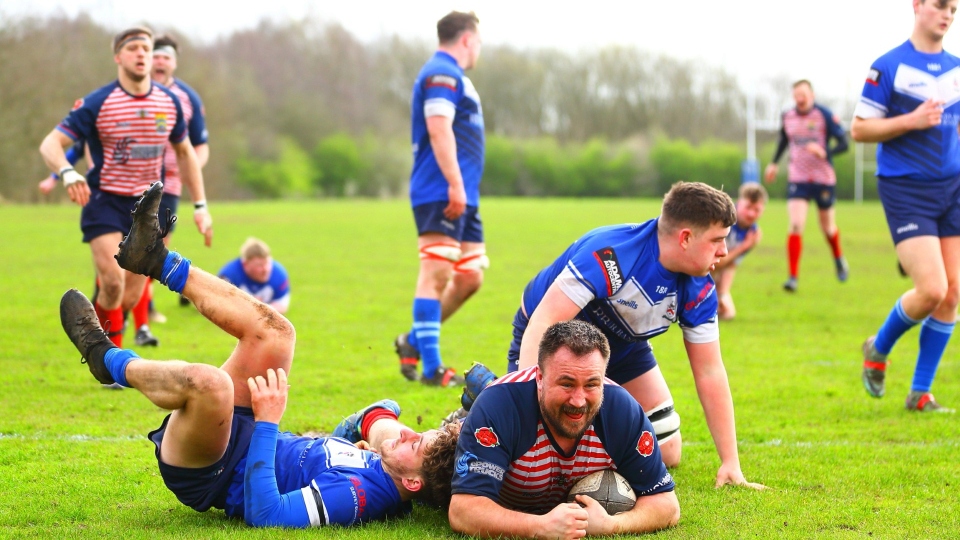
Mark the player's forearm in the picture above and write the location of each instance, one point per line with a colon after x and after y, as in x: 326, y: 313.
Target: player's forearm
x: 876, y: 130
x: 475, y: 515
x: 203, y: 154
x: 190, y: 171
x: 530, y: 344
x: 444, y: 146
x: 264, y: 506
x: 54, y: 156
x: 651, y: 513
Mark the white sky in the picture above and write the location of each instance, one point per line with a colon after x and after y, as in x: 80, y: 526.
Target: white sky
x: 830, y: 42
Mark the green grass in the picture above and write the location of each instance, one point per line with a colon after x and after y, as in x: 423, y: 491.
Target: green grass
x: 74, y: 461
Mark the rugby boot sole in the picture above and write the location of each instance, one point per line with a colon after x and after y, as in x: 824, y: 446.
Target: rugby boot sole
x: 142, y: 250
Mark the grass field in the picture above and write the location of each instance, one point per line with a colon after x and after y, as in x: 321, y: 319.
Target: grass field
x: 74, y: 461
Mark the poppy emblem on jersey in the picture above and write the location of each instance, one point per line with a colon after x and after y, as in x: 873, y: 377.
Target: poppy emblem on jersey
x: 486, y: 437
x: 77, y: 104
x: 607, y: 259
x: 645, y: 444
x: 161, y: 123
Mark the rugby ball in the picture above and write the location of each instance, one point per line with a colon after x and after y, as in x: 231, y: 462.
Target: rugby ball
x: 608, y: 488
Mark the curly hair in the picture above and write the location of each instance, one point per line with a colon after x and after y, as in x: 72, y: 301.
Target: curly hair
x: 437, y: 468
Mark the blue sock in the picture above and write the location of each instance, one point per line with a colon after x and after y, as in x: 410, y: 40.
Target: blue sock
x: 934, y: 336
x: 116, y: 360
x: 426, y: 327
x: 896, y: 324
x: 175, y: 271
x: 412, y: 338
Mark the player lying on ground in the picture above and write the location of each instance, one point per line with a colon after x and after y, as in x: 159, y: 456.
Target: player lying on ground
x: 532, y: 434
x: 222, y: 415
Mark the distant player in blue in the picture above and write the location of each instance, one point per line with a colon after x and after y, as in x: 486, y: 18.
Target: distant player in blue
x: 448, y: 150
x: 633, y: 281
x: 257, y: 274
x: 532, y: 434
x: 911, y: 106
x: 221, y: 446
x: 744, y: 235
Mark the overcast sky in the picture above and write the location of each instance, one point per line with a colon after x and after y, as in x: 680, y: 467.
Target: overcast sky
x: 830, y: 42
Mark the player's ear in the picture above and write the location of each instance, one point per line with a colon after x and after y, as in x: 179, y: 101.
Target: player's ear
x: 684, y: 237
x: 412, y: 484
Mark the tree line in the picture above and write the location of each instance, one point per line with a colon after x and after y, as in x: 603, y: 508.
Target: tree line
x: 303, y: 108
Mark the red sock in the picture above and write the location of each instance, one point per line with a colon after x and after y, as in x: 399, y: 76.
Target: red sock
x: 794, y: 247
x: 112, y: 322
x: 371, y: 417
x: 835, y: 244
x: 141, y: 312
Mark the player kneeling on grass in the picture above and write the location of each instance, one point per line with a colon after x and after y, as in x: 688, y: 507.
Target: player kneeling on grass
x: 221, y: 446
x: 744, y: 234
x: 515, y: 463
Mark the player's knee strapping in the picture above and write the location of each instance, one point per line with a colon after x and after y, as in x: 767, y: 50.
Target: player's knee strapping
x: 665, y: 420
x: 472, y: 261
x: 441, y: 251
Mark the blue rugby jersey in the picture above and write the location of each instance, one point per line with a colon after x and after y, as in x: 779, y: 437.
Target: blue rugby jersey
x: 441, y: 89
x: 126, y: 135
x: 736, y: 236
x: 275, y: 289
x: 614, y: 274
x: 297, y: 481
x: 504, y: 452
x: 898, y: 82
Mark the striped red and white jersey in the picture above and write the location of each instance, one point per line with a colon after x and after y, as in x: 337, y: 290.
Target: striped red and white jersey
x: 799, y: 129
x: 505, y: 452
x: 194, y: 117
x: 127, y: 135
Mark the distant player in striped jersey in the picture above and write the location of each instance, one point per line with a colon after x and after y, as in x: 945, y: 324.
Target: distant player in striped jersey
x: 516, y: 460
x: 807, y: 130
x: 126, y: 125
x: 744, y: 234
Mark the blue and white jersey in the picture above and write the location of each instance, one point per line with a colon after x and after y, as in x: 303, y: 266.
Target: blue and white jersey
x: 735, y: 238
x: 441, y: 89
x: 898, y: 83
x: 505, y: 453
x: 296, y: 481
x: 276, y: 289
x: 614, y: 274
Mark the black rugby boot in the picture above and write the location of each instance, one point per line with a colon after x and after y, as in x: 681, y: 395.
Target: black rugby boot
x: 142, y: 250
x: 79, y: 321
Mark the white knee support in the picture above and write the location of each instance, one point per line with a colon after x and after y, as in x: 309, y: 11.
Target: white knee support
x: 472, y: 261
x: 665, y: 420
x: 441, y: 251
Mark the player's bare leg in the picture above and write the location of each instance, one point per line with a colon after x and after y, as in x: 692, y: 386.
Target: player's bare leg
x: 724, y: 280
x: 828, y: 224
x: 463, y: 284
x: 651, y: 391
x: 797, y: 212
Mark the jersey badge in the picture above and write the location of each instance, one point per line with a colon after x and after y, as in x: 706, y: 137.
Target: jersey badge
x: 486, y: 437
x: 645, y: 444
x: 445, y: 81
x: 873, y: 78
x: 77, y: 104
x: 161, y: 119
x: 671, y: 314
x: 607, y: 259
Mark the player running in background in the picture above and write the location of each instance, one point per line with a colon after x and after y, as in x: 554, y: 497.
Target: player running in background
x: 126, y: 125
x: 744, y: 234
x: 257, y: 274
x: 807, y: 130
x: 633, y: 281
x: 911, y: 106
x: 448, y: 152
x: 516, y: 460
x: 221, y: 446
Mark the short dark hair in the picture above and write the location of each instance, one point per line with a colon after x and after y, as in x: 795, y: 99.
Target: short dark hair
x: 753, y: 192
x: 582, y: 338
x: 437, y: 469
x: 121, y: 38
x: 166, y: 40
x: 455, y: 23
x: 696, y: 205
x: 802, y: 82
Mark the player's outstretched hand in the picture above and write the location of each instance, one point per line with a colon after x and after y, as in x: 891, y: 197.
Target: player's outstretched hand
x: 458, y: 202
x: 732, y: 475
x: 567, y: 520
x: 268, y: 396
x: 770, y: 173
x: 597, y: 516
x: 927, y: 114
x: 201, y: 216
x: 76, y: 186
x: 47, y: 184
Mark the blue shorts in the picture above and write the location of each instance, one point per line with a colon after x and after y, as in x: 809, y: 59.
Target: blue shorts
x: 430, y: 218
x: 628, y: 360
x: 171, y: 202
x: 823, y: 194
x: 208, y: 487
x: 920, y: 208
x: 105, y: 213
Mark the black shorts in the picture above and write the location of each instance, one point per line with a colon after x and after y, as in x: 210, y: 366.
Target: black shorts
x: 106, y: 213
x: 429, y: 218
x: 208, y: 487
x: 823, y: 194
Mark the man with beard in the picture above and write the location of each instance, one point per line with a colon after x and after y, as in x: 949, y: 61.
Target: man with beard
x: 126, y: 125
x: 516, y: 461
